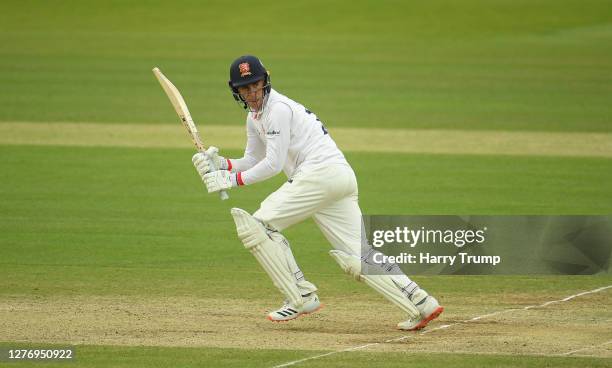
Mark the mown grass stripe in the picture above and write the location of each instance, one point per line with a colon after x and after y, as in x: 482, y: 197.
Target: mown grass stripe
x: 574, y: 144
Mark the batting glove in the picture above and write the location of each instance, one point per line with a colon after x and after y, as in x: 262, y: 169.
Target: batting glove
x: 204, y: 162
x: 220, y: 180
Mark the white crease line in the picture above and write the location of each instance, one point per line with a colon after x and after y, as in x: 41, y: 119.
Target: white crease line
x: 477, y: 318
x: 326, y: 354
x: 586, y: 348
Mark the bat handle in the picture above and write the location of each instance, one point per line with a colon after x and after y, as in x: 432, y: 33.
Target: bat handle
x: 223, y: 195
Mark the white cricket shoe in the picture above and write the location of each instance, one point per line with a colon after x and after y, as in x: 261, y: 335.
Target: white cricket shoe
x: 288, y: 312
x: 428, y: 307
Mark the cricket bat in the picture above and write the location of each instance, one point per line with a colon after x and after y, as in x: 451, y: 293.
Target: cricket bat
x: 183, y: 112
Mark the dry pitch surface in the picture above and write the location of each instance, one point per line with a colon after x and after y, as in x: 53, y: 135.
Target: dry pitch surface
x: 581, y: 326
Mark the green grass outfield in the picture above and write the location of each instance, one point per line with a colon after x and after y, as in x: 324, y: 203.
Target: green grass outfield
x: 83, y: 216
x: 119, y: 250
x: 477, y: 64
x: 105, y: 356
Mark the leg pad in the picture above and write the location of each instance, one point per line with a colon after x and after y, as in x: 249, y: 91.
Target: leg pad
x: 384, y: 284
x: 268, y: 253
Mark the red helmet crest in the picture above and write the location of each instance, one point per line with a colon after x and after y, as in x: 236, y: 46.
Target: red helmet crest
x: 245, y: 69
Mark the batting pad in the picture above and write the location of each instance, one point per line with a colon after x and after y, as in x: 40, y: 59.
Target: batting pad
x: 384, y: 284
x: 268, y: 253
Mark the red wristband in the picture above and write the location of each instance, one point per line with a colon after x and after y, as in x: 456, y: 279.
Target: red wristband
x: 239, y: 178
x: 229, y: 164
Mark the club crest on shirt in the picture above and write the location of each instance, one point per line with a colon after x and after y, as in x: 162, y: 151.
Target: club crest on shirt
x: 245, y: 69
x: 273, y: 133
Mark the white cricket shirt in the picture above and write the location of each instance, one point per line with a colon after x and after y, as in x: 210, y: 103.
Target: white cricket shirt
x: 286, y: 136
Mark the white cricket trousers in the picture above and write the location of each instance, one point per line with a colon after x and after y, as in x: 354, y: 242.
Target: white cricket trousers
x: 328, y: 194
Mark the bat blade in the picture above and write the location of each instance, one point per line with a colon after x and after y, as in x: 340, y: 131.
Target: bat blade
x: 178, y: 102
x: 180, y: 106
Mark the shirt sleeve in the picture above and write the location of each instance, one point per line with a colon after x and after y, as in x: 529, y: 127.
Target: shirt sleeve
x: 278, y: 136
x: 254, y: 152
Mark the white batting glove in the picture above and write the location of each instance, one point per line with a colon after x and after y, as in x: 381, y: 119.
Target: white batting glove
x: 220, y: 180
x: 205, y: 161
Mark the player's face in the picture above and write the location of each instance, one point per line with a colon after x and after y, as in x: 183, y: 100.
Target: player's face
x: 253, y: 94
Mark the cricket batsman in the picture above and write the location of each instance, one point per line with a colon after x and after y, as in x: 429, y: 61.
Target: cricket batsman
x: 283, y: 135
